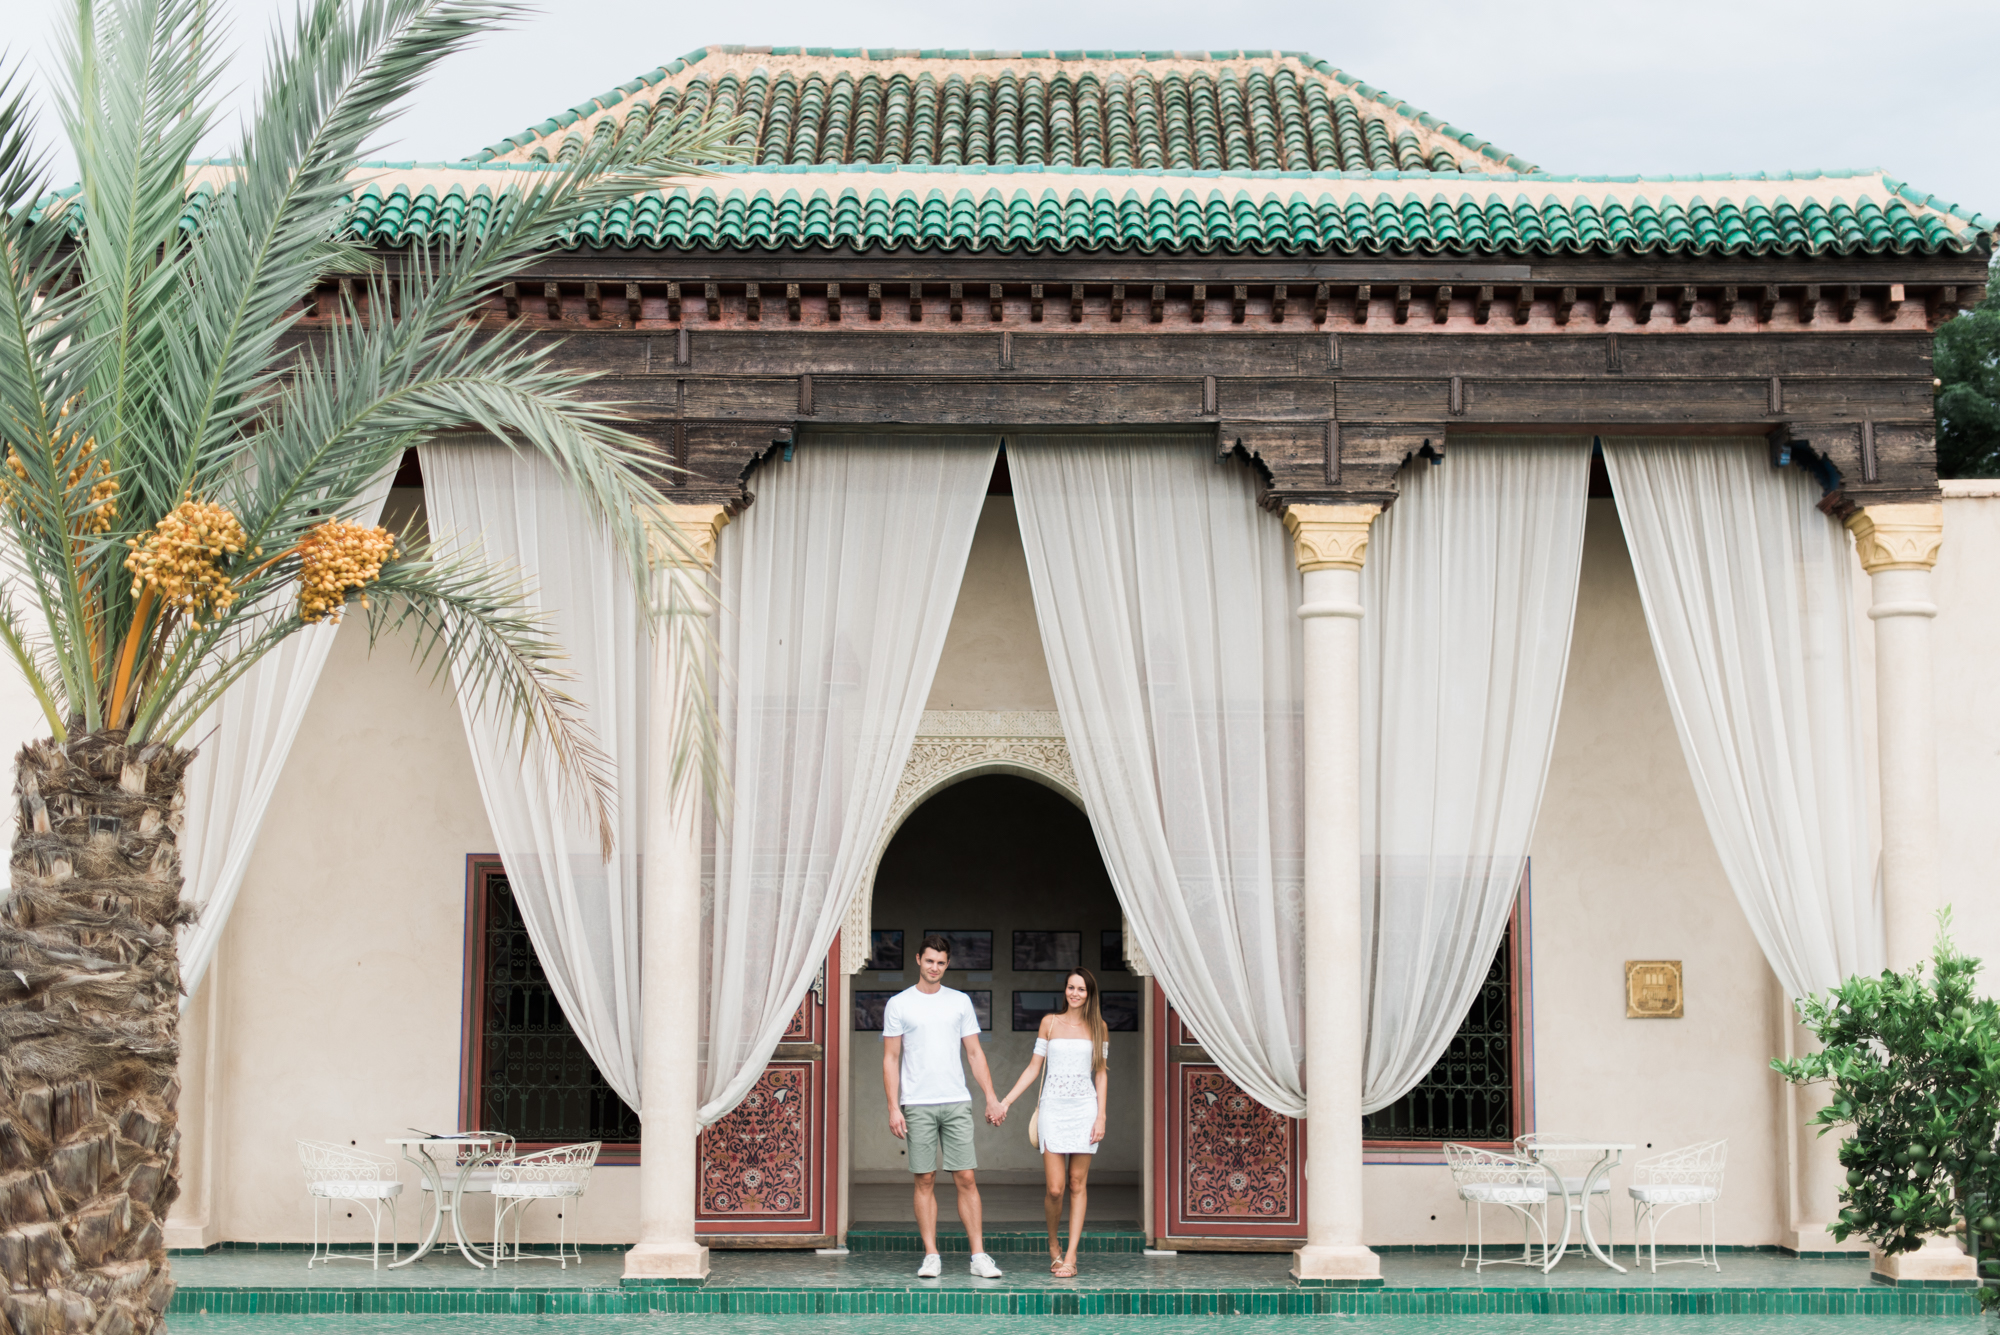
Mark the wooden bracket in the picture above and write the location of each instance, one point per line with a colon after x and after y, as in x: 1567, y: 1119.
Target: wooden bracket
x: 509, y: 293
x: 1319, y: 304
x: 552, y: 299
x: 1403, y: 303
x: 1524, y: 302
x: 1158, y: 309
x: 1198, y: 303
x: 1239, y: 301
x: 957, y: 303
x: 1649, y: 297
x: 593, y: 301
x: 1725, y: 306
x: 1606, y: 298
x: 753, y: 301
x: 1850, y: 297
x: 1035, y: 302
x: 1363, y: 295
x: 1117, y: 303
x: 632, y: 303
x: 1441, y: 304
x: 833, y: 302
x: 1892, y: 304
x: 1565, y: 305
x: 916, y: 303
x: 1943, y: 302
x: 673, y: 301
x: 1809, y: 304
x: 309, y: 303
x: 1482, y: 305
x: 793, y: 311
x: 712, y: 294
x: 875, y: 301
x: 1684, y: 308
x: 349, y: 303
x: 1278, y: 304
x: 1767, y: 302
x: 995, y: 302
x: 1076, y: 303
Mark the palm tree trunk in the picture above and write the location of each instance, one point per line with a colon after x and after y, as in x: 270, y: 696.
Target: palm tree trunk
x: 89, y: 1012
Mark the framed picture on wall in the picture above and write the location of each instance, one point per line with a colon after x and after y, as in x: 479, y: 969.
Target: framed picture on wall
x: 1121, y: 1011
x: 885, y: 949
x: 868, y: 1011
x: 1047, y: 952
x: 1030, y: 1007
x: 982, y: 1006
x: 969, y: 949
x: 1111, y: 951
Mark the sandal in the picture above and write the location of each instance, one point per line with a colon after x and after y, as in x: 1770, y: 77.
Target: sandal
x: 1067, y: 1270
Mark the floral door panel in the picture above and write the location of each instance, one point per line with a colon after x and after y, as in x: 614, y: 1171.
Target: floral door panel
x: 1230, y: 1167
x: 767, y: 1170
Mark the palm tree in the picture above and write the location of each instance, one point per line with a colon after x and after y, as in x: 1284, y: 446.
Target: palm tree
x: 184, y: 468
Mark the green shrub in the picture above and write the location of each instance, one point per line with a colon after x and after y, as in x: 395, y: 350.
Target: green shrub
x: 1915, y: 1066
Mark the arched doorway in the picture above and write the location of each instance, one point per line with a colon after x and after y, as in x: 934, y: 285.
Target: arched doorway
x: 1013, y: 862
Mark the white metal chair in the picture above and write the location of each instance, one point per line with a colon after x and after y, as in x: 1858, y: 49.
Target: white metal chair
x: 340, y: 1173
x: 1664, y: 1183
x: 561, y: 1175
x: 1484, y: 1178
x: 1574, y: 1169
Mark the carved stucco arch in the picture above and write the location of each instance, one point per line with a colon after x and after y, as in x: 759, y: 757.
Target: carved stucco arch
x: 953, y: 745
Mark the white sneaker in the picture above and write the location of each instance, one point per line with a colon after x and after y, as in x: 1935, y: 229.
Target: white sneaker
x: 932, y: 1267
x: 983, y: 1267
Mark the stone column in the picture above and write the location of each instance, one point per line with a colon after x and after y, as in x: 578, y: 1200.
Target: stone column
x: 1898, y: 545
x: 1330, y: 542
x: 670, y: 935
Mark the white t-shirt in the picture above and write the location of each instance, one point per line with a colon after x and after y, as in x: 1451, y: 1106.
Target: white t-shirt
x: 932, y: 1025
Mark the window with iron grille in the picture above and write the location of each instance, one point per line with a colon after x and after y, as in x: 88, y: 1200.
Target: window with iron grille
x: 529, y: 1074
x: 1470, y: 1095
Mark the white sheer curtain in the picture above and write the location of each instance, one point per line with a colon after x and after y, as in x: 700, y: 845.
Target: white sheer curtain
x: 1470, y: 586
x: 241, y: 744
x: 837, y: 588
x: 582, y: 912
x: 1168, y: 606
x: 1749, y: 597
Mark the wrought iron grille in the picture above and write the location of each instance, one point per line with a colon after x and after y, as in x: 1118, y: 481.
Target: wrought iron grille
x: 538, y: 1085
x: 1469, y: 1094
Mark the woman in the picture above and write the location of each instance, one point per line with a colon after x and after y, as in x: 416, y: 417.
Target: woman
x: 1070, y: 1117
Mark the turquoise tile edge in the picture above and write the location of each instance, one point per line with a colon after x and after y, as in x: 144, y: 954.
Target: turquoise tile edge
x: 1902, y: 1300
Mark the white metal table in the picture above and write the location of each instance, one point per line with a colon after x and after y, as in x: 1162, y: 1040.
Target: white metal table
x: 425, y: 1152
x: 1609, y: 1153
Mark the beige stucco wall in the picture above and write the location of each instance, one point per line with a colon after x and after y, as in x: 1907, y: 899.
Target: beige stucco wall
x: 333, y: 1010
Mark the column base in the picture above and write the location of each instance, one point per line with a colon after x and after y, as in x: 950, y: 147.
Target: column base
x: 1814, y: 1240
x: 1321, y: 1266
x: 674, y: 1263
x: 1939, y: 1264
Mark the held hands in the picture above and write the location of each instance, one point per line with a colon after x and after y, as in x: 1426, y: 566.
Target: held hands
x: 996, y: 1113
x: 898, y: 1128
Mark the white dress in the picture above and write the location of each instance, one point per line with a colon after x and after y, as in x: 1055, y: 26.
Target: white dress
x: 1068, y: 1107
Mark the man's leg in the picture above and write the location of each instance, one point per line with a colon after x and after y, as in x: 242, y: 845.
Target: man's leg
x: 926, y: 1203
x: 968, y: 1208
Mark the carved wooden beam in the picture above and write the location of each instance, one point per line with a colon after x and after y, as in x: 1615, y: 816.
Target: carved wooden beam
x: 1363, y: 295
x: 1198, y: 303
x: 1239, y: 301
x: 1809, y: 303
x: 1684, y: 308
x: 712, y: 294
x: 1482, y: 306
x: 1278, y: 304
x: 1156, y: 309
x: 1441, y: 304
x: 794, y: 311
x: 1035, y: 302
x: 1766, y: 303
x: 593, y: 301
x: 875, y: 301
x: 1319, y: 303
x: 916, y: 303
x: 1892, y: 305
x: 1607, y: 297
x: 833, y: 302
x: 509, y: 293
x: 1648, y: 298
x: 633, y: 305
x: 995, y: 302
x: 552, y: 299
x: 1118, y: 303
x: 1524, y: 302
x: 1402, y: 303
x: 673, y: 301
x: 1076, y: 303
x: 1725, y: 306
x: 1565, y: 305
x: 1943, y: 303
x: 753, y: 302
x: 958, y: 303
x: 1850, y: 297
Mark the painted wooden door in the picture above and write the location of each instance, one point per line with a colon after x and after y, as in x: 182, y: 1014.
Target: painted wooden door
x: 1231, y: 1173
x: 768, y: 1170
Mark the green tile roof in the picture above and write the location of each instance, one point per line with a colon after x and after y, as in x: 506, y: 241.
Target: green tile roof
x: 1151, y: 110
x: 1264, y: 213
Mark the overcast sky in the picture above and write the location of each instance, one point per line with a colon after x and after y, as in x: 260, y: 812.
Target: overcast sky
x: 1574, y: 86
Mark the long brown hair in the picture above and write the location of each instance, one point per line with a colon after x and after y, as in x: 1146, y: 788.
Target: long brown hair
x: 1093, y: 1016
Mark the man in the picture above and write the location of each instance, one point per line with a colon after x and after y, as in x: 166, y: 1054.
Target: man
x: 922, y: 1029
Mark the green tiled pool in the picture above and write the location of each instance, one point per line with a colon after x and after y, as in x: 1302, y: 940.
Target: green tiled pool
x: 865, y: 1286
x: 1483, y: 1324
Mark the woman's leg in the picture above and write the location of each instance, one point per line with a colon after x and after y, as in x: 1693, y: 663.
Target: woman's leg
x: 1079, y: 1199
x: 1052, y: 1201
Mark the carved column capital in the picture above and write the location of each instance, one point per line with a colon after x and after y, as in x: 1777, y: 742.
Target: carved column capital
x: 1330, y: 537
x: 695, y: 525
x: 1898, y: 537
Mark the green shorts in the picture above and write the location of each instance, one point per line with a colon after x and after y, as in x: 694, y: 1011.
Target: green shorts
x: 935, y: 1124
